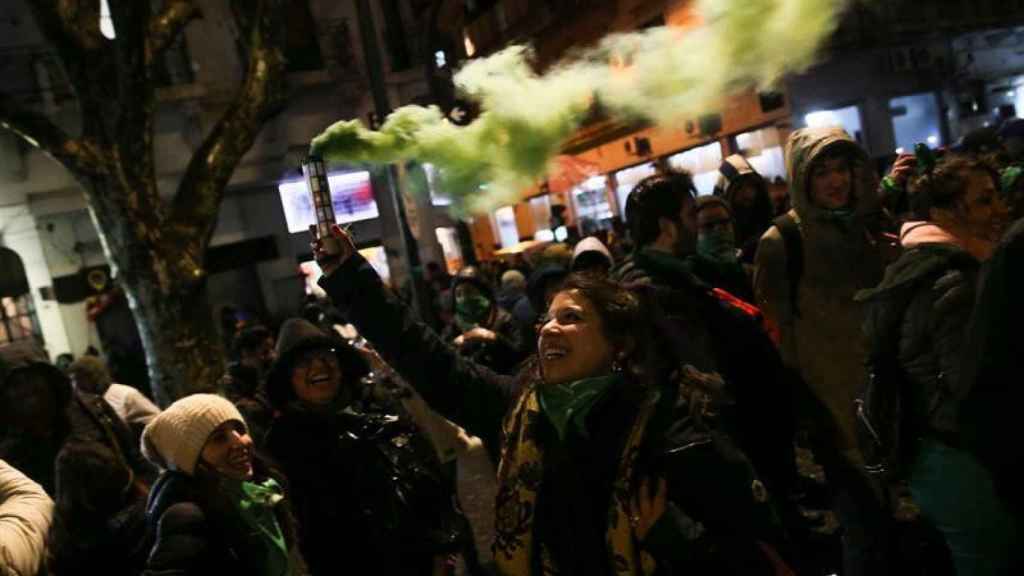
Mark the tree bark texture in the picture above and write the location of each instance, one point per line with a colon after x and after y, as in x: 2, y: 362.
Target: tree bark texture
x: 157, y: 247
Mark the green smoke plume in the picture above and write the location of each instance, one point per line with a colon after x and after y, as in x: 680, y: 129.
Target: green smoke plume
x: 661, y: 75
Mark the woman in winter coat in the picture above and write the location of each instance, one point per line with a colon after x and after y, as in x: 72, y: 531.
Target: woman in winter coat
x: 916, y: 323
x: 215, y: 510
x: 598, y: 474
x: 367, y: 496
x: 99, y: 524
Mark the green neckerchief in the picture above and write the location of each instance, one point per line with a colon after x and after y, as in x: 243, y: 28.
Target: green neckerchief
x: 256, y: 506
x: 662, y: 262
x: 1008, y: 179
x: 844, y: 216
x: 570, y: 403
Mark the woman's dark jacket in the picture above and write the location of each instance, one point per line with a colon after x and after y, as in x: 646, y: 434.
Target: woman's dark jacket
x: 364, y: 487
x: 119, y: 547
x: 198, y: 532
x: 723, y: 519
x: 920, y: 312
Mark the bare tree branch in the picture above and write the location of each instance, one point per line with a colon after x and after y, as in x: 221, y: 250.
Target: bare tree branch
x: 72, y: 26
x: 168, y: 24
x: 80, y: 156
x: 195, y: 207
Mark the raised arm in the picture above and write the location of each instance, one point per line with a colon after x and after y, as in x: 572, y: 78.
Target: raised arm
x: 462, y: 391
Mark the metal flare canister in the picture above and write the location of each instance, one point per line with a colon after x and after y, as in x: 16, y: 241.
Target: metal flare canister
x: 315, y: 172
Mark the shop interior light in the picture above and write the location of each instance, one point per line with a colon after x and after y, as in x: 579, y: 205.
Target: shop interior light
x: 933, y: 140
x: 821, y: 118
x: 106, y: 22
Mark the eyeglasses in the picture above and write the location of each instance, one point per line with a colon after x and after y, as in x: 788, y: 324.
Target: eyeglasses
x: 307, y: 357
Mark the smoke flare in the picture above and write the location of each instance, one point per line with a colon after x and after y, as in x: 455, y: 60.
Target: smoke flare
x: 660, y: 75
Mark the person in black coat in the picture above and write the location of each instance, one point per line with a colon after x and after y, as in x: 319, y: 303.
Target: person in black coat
x: 40, y: 412
x: 99, y: 520
x: 366, y: 483
x: 482, y: 330
x: 608, y: 464
x: 216, y: 509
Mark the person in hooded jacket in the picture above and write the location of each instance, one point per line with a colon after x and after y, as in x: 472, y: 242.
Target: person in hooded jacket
x: 483, y: 330
x: 717, y: 260
x: 747, y: 194
x: 919, y: 314
x: 578, y: 431
x: 26, y: 513
x: 216, y: 509
x: 99, y: 521
x: 363, y: 486
x: 592, y: 256
x: 809, y: 266
x: 40, y: 411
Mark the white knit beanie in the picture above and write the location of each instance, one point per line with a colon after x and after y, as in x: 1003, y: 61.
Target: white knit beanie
x: 174, y: 439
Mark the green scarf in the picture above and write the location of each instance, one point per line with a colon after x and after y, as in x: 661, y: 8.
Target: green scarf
x: 566, y: 404
x: 662, y: 263
x: 471, y: 311
x: 842, y: 216
x: 256, y: 506
x: 717, y: 247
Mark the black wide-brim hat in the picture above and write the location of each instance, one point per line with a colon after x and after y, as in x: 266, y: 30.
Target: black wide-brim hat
x: 298, y: 335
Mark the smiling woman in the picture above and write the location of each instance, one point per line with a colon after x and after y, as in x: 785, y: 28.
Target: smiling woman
x: 215, y: 509
x: 602, y: 468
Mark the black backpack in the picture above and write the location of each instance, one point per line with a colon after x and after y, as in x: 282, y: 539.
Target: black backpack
x: 886, y: 430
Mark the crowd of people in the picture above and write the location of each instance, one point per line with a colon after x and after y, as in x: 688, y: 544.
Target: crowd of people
x: 746, y: 383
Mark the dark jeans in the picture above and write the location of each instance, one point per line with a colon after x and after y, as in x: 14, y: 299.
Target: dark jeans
x: 956, y: 494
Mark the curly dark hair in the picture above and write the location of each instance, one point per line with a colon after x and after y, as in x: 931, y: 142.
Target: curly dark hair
x: 945, y: 185
x: 625, y: 323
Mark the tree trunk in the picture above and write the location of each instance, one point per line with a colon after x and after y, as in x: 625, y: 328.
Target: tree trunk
x: 167, y: 295
x: 183, y: 348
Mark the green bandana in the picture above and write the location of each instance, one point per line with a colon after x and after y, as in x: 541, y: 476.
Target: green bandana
x: 662, y: 263
x: 1008, y: 179
x: 471, y: 311
x: 717, y: 246
x: 256, y: 505
x: 842, y: 216
x: 570, y: 403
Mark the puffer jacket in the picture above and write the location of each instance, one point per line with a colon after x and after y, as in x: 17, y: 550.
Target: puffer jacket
x: 199, y: 534
x: 25, y: 515
x: 820, y: 339
x: 940, y: 277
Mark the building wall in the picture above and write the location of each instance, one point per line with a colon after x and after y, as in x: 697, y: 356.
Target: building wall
x: 43, y: 213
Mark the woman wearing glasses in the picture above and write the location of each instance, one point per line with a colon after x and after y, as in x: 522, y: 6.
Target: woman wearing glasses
x: 362, y: 491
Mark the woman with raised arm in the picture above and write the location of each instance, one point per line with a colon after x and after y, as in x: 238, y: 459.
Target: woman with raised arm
x: 601, y: 470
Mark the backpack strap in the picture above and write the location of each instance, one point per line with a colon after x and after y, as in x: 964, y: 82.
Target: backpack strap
x: 793, y: 241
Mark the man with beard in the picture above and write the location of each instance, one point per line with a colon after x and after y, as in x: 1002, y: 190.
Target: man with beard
x: 747, y: 194
x: 707, y: 327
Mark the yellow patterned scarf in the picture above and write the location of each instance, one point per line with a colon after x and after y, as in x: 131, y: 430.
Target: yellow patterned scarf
x: 520, y: 475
